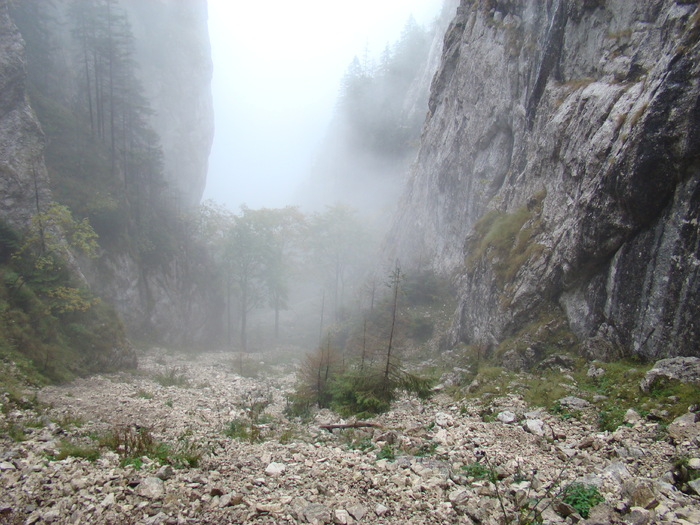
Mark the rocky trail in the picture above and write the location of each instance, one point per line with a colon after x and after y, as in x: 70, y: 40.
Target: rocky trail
x: 434, y: 461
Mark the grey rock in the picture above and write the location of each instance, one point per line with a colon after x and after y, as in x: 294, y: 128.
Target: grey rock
x: 639, y: 516
x: 640, y: 493
x: 694, y: 463
x: 632, y: 416
x: 695, y: 486
x: 342, y: 517
x: 473, y: 386
x: 151, y: 488
x: 458, y: 497
x: 595, y: 371
x: 165, y: 472
x: 357, y: 511
x: 684, y: 428
x: 683, y: 369
x: 534, y: 426
x: 616, y: 260
x: 380, y: 510
x: 316, y: 514
x: 574, y: 403
x: 601, y: 514
x: 617, y: 471
x: 443, y: 419
x: 563, y: 509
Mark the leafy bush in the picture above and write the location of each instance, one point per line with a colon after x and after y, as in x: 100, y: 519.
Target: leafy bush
x: 237, y: 429
x: 425, y: 287
x: 582, y: 497
x: 245, y: 430
x: 479, y: 470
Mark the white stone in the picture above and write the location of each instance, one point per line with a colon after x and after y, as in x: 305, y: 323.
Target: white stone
x: 342, y: 517
x: 507, y: 417
x: 443, y: 419
x: 275, y: 469
x: 534, y: 426
x: 380, y: 510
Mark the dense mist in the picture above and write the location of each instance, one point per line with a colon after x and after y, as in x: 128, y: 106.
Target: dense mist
x: 276, y: 90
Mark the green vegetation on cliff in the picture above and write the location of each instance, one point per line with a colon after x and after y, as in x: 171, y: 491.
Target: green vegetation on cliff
x: 51, y: 327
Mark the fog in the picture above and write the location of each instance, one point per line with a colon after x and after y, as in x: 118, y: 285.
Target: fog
x: 277, y: 70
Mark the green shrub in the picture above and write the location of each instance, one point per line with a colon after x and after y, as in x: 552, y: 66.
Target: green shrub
x: 67, y: 448
x: 582, y: 497
x: 237, y: 429
x: 172, y: 377
x: 480, y: 470
x: 134, y: 443
x: 386, y: 452
x: 611, y: 417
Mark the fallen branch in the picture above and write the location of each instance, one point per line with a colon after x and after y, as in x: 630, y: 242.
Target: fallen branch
x: 358, y: 424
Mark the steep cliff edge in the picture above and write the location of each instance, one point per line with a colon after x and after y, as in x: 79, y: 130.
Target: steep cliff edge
x: 23, y: 179
x: 559, y: 176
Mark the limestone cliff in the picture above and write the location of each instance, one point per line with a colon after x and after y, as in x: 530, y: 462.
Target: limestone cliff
x: 23, y: 181
x: 558, y: 174
x: 172, y: 48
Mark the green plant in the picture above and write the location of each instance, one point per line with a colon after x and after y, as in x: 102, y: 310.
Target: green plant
x: 479, y: 470
x: 240, y: 429
x: 507, y: 239
x: 13, y: 431
x: 286, y: 437
x: 172, y: 377
x: 67, y: 448
x: 69, y: 420
x: 581, y: 496
x: 134, y: 443
x: 611, y: 417
x: 386, y: 452
x: 427, y: 449
x: 237, y: 429
x: 265, y: 419
x: 143, y: 394
x: 130, y: 442
x: 564, y: 412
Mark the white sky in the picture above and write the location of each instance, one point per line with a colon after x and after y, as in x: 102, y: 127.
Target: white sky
x: 277, y: 69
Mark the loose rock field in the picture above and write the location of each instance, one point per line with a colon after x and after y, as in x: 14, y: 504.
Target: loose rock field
x: 416, y: 467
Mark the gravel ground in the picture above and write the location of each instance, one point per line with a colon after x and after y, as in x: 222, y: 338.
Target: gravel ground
x: 297, y: 472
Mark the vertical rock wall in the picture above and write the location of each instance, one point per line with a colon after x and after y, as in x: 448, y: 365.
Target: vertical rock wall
x: 172, y: 48
x: 23, y: 181
x: 559, y: 172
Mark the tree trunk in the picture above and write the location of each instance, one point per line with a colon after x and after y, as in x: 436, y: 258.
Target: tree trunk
x: 396, y: 279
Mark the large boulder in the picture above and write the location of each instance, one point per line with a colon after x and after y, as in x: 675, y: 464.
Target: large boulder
x: 683, y: 369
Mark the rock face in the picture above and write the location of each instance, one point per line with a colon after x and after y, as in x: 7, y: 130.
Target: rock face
x: 23, y: 180
x: 558, y: 172
x: 174, y: 301
x: 176, y: 74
